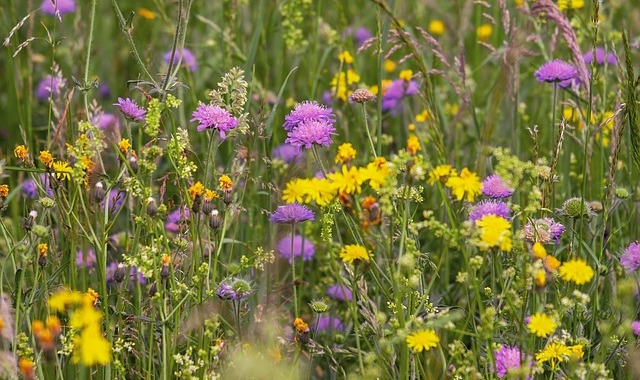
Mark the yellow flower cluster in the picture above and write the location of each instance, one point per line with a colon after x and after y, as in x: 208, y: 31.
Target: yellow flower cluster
x: 466, y: 185
x: 495, y: 232
x: 558, y: 352
x: 570, y: 4
x: 342, y: 81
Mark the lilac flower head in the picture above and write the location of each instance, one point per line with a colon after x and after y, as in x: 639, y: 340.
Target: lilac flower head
x: 104, y: 91
x: 507, y: 358
x: 86, y: 260
x: 635, y: 326
x: 630, y: 259
x: 134, y: 274
x: 326, y: 323
x: 287, y: 153
x: 49, y: 86
x: 556, y: 71
x: 291, y: 213
x: 116, y: 199
x: 236, y: 290
x: 493, y: 186
x: 489, y: 207
x: 301, y: 248
x: 30, y: 188
x: 131, y: 110
x: 601, y: 57
x: 311, y: 133
x: 396, y: 91
x: 339, y: 293
x: 106, y: 121
x: 174, y: 219
x: 188, y: 59
x: 543, y: 230
x: 214, y: 117
x: 308, y: 111
x: 61, y: 6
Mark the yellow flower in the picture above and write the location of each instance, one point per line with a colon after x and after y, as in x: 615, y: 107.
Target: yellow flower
x: 436, y: 27
x: 558, y: 352
x: 354, y: 252
x: 43, y: 248
x: 90, y: 347
x: 320, y: 191
x: 196, y: 189
x: 341, y: 82
x: 92, y: 296
x: 21, y: 152
x: 484, y: 32
x: 46, y: 158
x: 345, y: 57
x: 166, y: 260
x: 413, y: 145
x: 405, y: 75
x: 495, y: 231
x: 346, y: 153
x: 451, y: 109
x: 225, y: 183
x: 411, y: 127
x: 4, y: 191
x: 576, y: 271
x: 376, y: 173
x: 538, y: 251
x: 441, y: 173
x: 295, y: 191
x: 210, y: 195
x: 423, y: 340
x: 422, y: 116
x: 540, y: 276
x: 63, y: 170
x: 348, y: 181
x: 124, y: 145
x: 300, y: 325
x: 519, y: 3
x: 146, y: 13
x: 551, y: 263
x: 389, y: 66
x: 63, y: 299
x: 542, y: 325
x: 467, y: 184
x: 570, y: 4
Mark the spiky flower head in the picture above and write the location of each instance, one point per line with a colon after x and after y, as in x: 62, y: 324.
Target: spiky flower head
x: 493, y: 186
x: 308, y: 111
x: 310, y: 133
x: 489, y: 207
x: 556, y: 71
x: 130, y: 109
x: 291, y: 213
x: 214, y: 117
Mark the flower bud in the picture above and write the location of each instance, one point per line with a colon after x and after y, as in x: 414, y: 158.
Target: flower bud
x: 99, y: 192
x: 227, y: 198
x: 215, y: 221
x: 120, y: 272
x: 362, y: 95
x: 27, y: 223
x: 152, y: 207
x: 133, y: 163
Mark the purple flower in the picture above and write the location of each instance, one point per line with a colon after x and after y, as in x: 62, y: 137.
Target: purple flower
x: 507, y: 358
x: 188, y: 59
x: 134, y: 274
x: 104, y: 91
x: 394, y: 93
x: 87, y: 260
x: 236, y: 290
x: 601, y: 57
x: 493, y: 186
x: 131, y: 110
x: 287, y: 153
x: 360, y: 34
x: 291, y: 213
x: 556, y: 71
x: 326, y: 323
x: 49, y: 86
x: 339, y: 293
x: 106, y: 121
x: 311, y: 132
x: 489, y: 207
x: 301, y: 248
x: 61, y: 6
x: 308, y: 111
x: 635, y: 326
x: 116, y: 199
x: 179, y: 215
x: 543, y: 230
x: 30, y: 188
x: 214, y: 117
x: 630, y: 259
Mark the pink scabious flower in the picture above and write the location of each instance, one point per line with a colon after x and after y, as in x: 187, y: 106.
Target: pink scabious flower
x: 291, y: 213
x: 601, y: 57
x: 311, y: 133
x: 489, y: 207
x: 635, y: 326
x: 493, y: 186
x: 214, y: 117
x: 556, y: 71
x: 339, y: 293
x: 188, y: 59
x: 50, y: 7
x: 308, y: 111
x: 507, y: 358
x: 106, y: 121
x: 301, y: 248
x: 326, y: 323
x: 131, y: 110
x: 49, y: 86
x: 630, y: 259
x: 287, y: 153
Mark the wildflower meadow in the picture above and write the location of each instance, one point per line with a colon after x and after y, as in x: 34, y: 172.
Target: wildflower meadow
x: 320, y: 189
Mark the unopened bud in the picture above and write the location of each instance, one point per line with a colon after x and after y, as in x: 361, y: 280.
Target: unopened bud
x: 361, y: 95
x: 152, y: 207
x: 120, y: 272
x: 227, y: 198
x: 133, y: 163
x: 99, y: 192
x: 215, y: 221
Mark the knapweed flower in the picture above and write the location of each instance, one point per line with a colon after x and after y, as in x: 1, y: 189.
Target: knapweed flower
x: 49, y: 86
x: 489, y: 207
x: 291, y: 213
x: 339, y: 292
x: 601, y: 56
x: 543, y: 230
x: 131, y: 110
x: 329, y: 323
x: 310, y: 133
x: 354, y: 253
x: 557, y: 352
x: 507, y: 359
x: 493, y: 186
x: 441, y: 173
x: 237, y: 289
x: 542, y: 325
x: 495, y: 231
x: 423, y: 340
x: 630, y: 259
x: 211, y: 116
x: 556, y: 71
x: 576, y: 271
x: 303, y: 248
x: 466, y: 185
x: 346, y: 153
x: 635, y: 327
x: 348, y: 180
x: 287, y: 153
x: 188, y: 59
x: 308, y: 111
x: 50, y: 7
